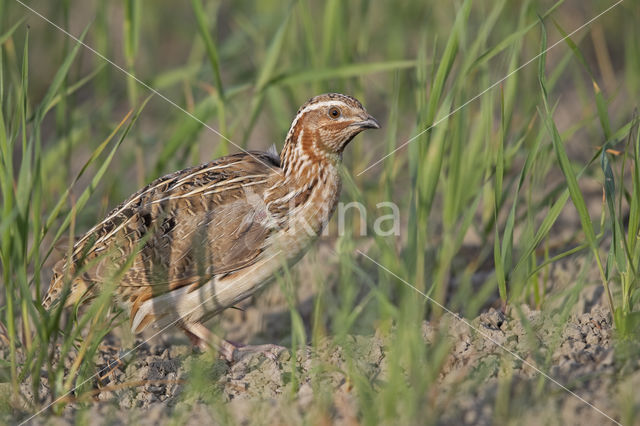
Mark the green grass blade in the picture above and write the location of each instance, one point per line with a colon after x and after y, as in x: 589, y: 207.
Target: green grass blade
x: 634, y: 202
x: 511, y: 38
x: 84, y: 197
x: 572, y: 182
x: 73, y: 88
x: 92, y: 159
x: 570, y: 176
x: 561, y: 155
x: 331, y: 28
x: 7, y: 34
x: 58, y: 80
x: 446, y: 62
x: 601, y: 104
x: 131, y: 30
x: 266, y: 73
x: 212, y: 51
x: 185, y: 133
x: 270, y: 62
x: 617, y: 251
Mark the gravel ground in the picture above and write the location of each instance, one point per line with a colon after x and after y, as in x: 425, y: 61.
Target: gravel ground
x: 155, y: 379
x: 479, y: 381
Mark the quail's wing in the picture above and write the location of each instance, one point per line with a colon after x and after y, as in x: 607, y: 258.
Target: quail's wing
x: 180, y: 230
x: 190, y: 244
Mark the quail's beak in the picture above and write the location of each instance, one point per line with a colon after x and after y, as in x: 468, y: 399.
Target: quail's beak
x: 368, y: 123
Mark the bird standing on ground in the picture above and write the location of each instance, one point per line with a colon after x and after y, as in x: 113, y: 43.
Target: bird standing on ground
x: 195, y: 242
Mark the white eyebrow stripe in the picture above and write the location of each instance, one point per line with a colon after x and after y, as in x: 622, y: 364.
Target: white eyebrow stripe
x: 313, y: 107
x: 322, y: 104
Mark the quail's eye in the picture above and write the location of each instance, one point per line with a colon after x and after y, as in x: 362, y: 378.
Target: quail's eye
x: 334, y: 112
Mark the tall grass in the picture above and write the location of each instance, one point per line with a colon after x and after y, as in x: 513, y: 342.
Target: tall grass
x: 481, y: 192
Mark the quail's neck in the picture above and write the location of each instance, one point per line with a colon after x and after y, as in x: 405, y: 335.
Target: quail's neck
x: 308, y: 189
x: 304, y: 154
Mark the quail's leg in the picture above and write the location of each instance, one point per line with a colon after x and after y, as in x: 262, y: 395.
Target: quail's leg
x: 203, y: 338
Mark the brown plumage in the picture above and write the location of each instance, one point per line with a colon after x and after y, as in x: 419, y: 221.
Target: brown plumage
x: 199, y: 240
